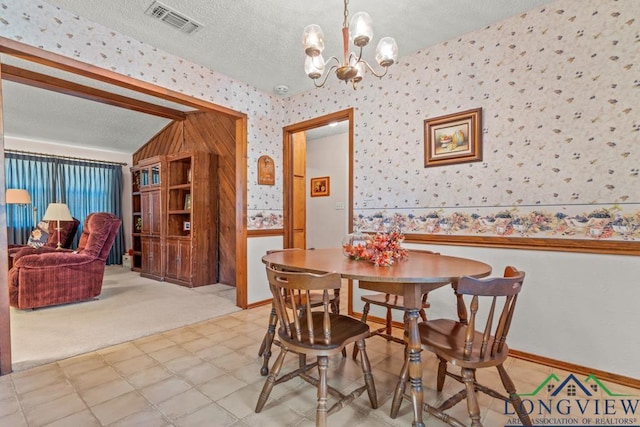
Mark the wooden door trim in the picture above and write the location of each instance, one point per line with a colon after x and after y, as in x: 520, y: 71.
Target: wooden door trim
x: 287, y: 167
x: 42, y: 81
x: 5, y: 325
x: 50, y: 59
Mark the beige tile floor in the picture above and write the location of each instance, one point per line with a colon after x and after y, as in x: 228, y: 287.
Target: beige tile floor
x: 207, y: 374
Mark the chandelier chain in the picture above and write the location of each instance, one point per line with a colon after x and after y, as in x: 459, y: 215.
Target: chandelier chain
x: 346, y: 14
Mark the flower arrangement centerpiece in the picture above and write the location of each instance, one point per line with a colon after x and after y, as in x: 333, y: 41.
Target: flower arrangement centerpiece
x: 382, y: 249
x: 356, y: 245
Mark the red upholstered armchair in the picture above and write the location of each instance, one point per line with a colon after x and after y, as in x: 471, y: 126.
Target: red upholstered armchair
x: 46, y: 276
x: 68, y: 231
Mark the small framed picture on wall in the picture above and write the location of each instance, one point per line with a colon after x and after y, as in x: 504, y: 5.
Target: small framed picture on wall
x: 320, y: 186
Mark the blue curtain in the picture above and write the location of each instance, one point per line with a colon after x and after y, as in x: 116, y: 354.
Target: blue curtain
x: 35, y: 175
x: 84, y: 186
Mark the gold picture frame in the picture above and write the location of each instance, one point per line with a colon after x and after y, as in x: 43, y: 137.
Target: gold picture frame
x: 320, y: 186
x: 454, y: 138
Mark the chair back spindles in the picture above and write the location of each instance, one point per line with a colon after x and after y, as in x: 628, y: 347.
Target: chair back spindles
x: 505, y: 322
x: 486, y: 336
x: 292, y: 294
x: 298, y: 298
x: 503, y: 292
x: 326, y: 318
x: 470, y: 333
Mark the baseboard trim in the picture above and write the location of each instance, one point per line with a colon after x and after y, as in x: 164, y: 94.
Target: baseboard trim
x: 259, y: 303
x: 576, y: 369
x: 542, y: 360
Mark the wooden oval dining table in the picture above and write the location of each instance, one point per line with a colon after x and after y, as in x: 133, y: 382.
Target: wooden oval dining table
x: 418, y: 273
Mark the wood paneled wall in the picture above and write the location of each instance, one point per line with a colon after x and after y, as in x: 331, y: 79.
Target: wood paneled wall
x: 168, y: 141
x: 214, y: 133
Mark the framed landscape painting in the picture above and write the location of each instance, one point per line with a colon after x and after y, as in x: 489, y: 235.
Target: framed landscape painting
x: 454, y: 138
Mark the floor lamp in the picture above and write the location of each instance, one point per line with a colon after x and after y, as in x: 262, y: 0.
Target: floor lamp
x: 57, y: 212
x: 16, y: 196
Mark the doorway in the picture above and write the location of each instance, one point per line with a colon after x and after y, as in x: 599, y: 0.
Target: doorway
x: 294, y: 197
x: 327, y: 161
x: 294, y: 188
x: 237, y: 245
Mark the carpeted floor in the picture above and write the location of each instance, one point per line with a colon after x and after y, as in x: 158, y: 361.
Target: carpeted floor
x: 129, y: 307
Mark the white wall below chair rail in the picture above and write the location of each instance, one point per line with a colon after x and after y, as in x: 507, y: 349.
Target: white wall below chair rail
x: 576, y: 308
x: 257, y: 285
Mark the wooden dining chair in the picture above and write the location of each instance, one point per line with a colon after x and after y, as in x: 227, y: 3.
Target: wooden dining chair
x: 390, y: 302
x: 459, y: 343
x: 314, y: 333
x: 315, y: 301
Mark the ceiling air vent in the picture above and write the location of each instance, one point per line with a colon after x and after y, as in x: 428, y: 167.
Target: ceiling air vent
x: 164, y: 13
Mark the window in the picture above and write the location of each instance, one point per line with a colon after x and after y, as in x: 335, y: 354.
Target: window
x: 85, y: 186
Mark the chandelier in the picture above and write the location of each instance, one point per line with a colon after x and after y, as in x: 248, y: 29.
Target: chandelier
x: 352, y: 67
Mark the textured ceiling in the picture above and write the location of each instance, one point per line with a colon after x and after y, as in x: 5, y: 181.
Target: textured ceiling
x: 43, y: 115
x: 257, y: 42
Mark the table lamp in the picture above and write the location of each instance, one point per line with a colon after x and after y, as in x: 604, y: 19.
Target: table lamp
x: 17, y: 196
x: 57, y: 212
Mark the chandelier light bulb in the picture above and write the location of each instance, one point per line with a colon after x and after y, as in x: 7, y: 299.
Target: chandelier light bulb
x: 360, y: 73
x: 387, y: 51
x: 361, y: 29
x: 314, y: 66
x: 313, y: 40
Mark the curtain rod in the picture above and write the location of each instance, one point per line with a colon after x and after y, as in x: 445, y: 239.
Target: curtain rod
x: 65, y: 157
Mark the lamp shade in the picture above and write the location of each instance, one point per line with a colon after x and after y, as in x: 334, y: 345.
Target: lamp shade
x: 57, y: 211
x: 17, y: 196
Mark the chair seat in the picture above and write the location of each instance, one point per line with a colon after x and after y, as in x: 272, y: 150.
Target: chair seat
x: 388, y: 300
x: 345, y: 330
x: 446, y: 338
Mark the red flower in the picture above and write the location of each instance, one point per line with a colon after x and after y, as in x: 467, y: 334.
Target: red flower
x: 383, y: 249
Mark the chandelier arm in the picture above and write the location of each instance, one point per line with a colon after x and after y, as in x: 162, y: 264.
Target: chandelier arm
x: 358, y: 57
x: 326, y: 75
x: 335, y: 59
x: 386, y: 69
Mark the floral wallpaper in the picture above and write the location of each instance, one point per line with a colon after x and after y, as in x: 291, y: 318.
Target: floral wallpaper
x: 43, y: 25
x: 559, y: 89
